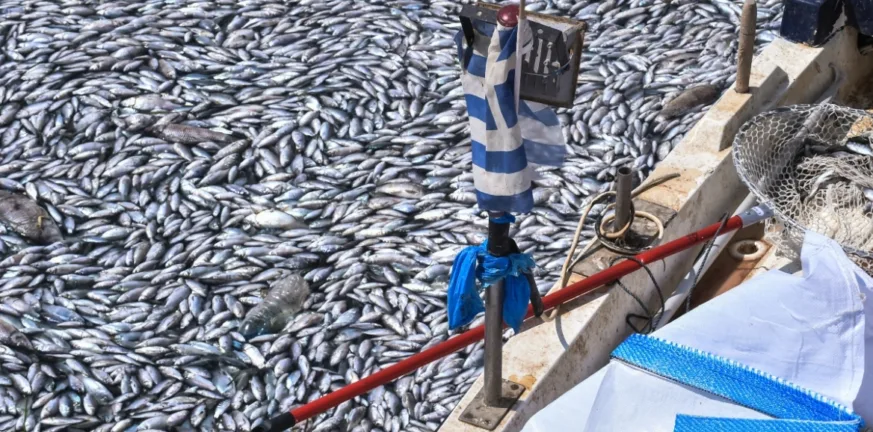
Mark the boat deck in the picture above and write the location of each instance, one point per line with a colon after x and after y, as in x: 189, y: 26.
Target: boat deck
x: 550, y: 357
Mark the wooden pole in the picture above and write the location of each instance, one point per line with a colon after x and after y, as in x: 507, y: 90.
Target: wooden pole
x: 746, y: 49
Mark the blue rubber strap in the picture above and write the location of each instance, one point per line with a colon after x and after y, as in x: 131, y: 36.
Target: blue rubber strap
x: 512, y: 269
x: 740, y: 384
x: 507, y: 218
x: 475, y: 263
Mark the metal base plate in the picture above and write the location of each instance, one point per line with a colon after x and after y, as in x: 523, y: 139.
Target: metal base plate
x: 488, y: 417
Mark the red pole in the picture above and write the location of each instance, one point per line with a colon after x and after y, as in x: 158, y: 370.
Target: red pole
x: 475, y: 334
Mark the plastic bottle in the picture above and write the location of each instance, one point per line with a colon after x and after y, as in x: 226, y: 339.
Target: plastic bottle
x: 284, y: 300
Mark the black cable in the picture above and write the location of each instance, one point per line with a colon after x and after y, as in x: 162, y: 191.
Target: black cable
x: 651, y: 324
x: 724, y: 219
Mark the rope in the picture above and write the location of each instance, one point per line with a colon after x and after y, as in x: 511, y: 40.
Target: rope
x: 607, y: 239
x: 724, y: 219
x: 651, y: 322
x: 569, y: 263
x: 620, y: 233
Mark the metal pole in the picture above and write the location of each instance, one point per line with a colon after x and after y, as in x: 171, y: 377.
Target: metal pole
x: 623, y: 185
x: 498, y: 245
x: 746, y: 47
x: 494, y: 344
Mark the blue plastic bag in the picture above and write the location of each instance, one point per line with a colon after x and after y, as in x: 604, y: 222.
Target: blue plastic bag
x: 474, y: 262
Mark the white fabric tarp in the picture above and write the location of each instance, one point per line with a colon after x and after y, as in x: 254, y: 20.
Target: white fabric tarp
x: 812, y: 330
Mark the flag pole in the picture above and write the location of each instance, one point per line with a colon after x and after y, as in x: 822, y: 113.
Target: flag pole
x: 498, y: 246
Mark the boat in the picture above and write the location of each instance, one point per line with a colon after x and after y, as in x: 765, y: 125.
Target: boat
x: 549, y: 358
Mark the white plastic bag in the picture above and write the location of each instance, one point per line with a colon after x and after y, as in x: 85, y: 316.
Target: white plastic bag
x: 812, y: 331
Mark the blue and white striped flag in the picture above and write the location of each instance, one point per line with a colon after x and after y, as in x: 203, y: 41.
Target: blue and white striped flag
x: 510, y: 137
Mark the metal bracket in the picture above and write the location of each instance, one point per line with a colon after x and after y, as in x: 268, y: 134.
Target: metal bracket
x: 488, y: 417
x: 551, y: 70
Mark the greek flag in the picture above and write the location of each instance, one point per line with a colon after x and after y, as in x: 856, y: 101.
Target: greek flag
x: 510, y: 136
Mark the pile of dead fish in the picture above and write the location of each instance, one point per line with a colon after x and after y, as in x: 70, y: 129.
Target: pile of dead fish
x: 193, y: 153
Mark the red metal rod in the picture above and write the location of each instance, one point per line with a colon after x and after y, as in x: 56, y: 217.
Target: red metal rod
x: 476, y: 334
x: 629, y: 266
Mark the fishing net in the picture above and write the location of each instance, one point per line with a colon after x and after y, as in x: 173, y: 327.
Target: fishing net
x: 813, y: 165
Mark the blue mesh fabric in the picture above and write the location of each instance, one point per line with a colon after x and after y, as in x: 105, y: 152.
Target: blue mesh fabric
x: 694, y: 424
x: 793, y: 408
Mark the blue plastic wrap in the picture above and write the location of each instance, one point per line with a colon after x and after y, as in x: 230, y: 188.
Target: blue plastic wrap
x: 474, y: 262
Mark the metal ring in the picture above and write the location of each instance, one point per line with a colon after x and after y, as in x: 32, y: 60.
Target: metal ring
x: 747, y: 250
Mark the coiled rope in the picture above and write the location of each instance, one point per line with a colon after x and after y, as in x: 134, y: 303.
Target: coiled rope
x: 605, y: 239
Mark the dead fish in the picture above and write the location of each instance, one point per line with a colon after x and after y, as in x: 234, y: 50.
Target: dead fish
x: 863, y: 149
x: 826, y: 178
x: 150, y: 102
x: 689, y: 99
x: 135, y: 122
x: 24, y: 216
x: 402, y: 190
x: 7, y: 113
x: 190, y: 135
x: 9, y: 335
x: 276, y: 219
